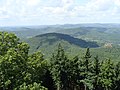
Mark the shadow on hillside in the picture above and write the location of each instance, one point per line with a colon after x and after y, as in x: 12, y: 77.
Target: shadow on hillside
x: 72, y: 40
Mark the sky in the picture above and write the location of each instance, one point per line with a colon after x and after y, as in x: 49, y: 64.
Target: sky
x: 50, y: 12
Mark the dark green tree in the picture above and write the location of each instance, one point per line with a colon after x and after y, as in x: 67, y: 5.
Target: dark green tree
x: 15, y: 63
x: 76, y: 74
x: 87, y: 70
x: 37, y: 66
x: 117, y: 77
x: 34, y: 86
x: 107, y: 74
x: 58, y: 69
x: 87, y: 57
x: 7, y: 40
x: 96, y: 73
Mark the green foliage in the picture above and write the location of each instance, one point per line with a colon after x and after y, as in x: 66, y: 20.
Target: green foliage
x: 22, y: 71
x: 51, y: 39
x: 107, y: 74
x: 7, y: 41
x: 37, y: 66
x: 96, y: 73
x: 58, y: 62
x: 47, y: 44
x: 117, y: 76
x: 83, y: 74
x: 16, y: 65
x: 87, y: 57
x: 34, y: 86
x: 13, y: 60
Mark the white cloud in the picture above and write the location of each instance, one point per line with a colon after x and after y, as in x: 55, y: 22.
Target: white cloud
x: 117, y: 2
x: 32, y: 2
x: 3, y: 14
x: 96, y: 10
x: 100, y: 5
x: 67, y: 3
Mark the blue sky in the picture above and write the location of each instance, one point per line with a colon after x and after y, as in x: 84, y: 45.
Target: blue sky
x: 47, y: 12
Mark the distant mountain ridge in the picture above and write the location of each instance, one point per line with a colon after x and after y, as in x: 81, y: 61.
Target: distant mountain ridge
x: 100, y: 33
x: 48, y: 41
x: 70, y: 39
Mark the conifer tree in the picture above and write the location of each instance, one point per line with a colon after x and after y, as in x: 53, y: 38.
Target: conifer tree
x: 87, y: 72
x: 107, y: 74
x: 58, y: 68
x: 87, y: 57
x: 96, y: 72
x: 117, y: 77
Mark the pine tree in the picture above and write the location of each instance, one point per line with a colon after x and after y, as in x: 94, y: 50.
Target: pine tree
x: 117, y: 77
x: 87, y: 57
x: 107, y: 74
x: 58, y: 68
x: 96, y: 72
x: 87, y: 80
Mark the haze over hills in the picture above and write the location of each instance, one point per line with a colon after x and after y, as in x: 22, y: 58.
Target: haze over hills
x: 60, y: 44
x: 73, y: 37
x: 101, y: 33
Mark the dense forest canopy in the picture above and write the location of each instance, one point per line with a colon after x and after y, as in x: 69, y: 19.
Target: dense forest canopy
x: 20, y: 70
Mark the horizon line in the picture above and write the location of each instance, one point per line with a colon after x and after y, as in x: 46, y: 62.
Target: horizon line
x: 57, y: 24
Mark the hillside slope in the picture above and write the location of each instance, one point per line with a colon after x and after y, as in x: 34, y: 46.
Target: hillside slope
x: 47, y: 42
x: 101, y: 33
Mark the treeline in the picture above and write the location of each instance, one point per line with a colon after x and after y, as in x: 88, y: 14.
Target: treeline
x: 21, y: 71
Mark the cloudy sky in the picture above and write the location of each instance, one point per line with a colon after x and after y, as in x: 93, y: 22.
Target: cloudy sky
x: 45, y: 12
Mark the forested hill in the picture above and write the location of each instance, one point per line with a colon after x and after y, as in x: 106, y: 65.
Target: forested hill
x: 70, y: 39
x: 100, y: 33
x: 20, y: 70
x: 51, y: 39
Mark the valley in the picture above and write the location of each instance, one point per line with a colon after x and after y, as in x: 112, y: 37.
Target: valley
x: 102, y: 39
x: 76, y: 56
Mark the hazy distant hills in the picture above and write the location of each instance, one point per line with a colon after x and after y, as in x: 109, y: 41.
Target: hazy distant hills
x: 98, y: 34
x: 101, y: 33
x: 74, y: 38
